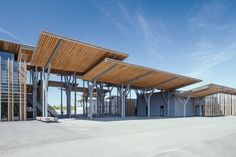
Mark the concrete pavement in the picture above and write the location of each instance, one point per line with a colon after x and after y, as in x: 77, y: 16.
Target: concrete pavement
x: 195, y: 136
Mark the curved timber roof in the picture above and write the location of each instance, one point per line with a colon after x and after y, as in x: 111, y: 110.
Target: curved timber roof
x: 69, y: 55
x: 209, y: 89
x: 116, y: 72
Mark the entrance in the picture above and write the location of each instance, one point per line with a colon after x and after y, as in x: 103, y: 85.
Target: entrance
x: 162, y: 111
x: 197, y: 112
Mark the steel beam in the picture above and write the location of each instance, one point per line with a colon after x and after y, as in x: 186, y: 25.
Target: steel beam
x: 138, y: 78
x: 166, y: 81
x: 104, y: 72
x: 55, y: 51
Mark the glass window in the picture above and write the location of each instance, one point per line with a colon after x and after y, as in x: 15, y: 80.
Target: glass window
x: 6, y: 55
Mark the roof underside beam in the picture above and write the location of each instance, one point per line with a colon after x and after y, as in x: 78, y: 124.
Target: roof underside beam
x: 55, y: 51
x: 138, y: 78
x: 166, y: 81
x: 104, y: 72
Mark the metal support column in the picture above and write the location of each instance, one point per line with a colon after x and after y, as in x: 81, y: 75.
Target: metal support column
x: 231, y: 104
x: 68, y: 87
x: 90, y: 87
x: 224, y: 105
x: 84, y: 107
x: 43, y: 92
x: 75, y: 103
x: 101, y: 98
x: 147, y: 96
x: 110, y: 107
x: 123, y: 93
x: 166, y: 97
x: 98, y: 105
x: 61, y: 96
x: 0, y: 89
x: 184, y: 101
x: 45, y: 80
x: 34, y: 94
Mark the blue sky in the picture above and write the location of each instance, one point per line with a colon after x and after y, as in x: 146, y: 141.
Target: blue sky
x: 196, y: 38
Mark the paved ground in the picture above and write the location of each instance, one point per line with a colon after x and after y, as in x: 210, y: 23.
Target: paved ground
x: 152, y: 138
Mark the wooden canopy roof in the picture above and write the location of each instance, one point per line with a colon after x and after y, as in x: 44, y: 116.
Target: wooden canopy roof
x: 116, y: 72
x: 69, y: 55
x: 209, y: 89
x: 23, y: 52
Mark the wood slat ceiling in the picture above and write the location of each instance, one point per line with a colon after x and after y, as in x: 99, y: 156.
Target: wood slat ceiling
x: 22, y: 52
x: 25, y: 53
x: 72, y: 55
x: 209, y: 89
x: 116, y: 72
x: 9, y: 46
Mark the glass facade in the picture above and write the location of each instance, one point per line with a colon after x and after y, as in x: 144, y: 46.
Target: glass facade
x: 12, y: 88
x: 219, y: 104
x: 7, y: 55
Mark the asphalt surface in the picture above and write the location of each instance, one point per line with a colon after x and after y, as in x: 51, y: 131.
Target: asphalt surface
x: 177, y: 137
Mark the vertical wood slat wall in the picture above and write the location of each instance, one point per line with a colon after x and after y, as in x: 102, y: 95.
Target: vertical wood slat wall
x: 220, y: 105
x: 22, y: 84
x: 13, y: 77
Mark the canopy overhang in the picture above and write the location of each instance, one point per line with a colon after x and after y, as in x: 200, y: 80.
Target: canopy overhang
x: 119, y: 73
x: 22, y: 52
x: 68, y: 55
x: 209, y: 89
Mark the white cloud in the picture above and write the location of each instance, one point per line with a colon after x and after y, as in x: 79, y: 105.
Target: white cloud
x: 151, y: 32
x: 124, y: 11
x: 12, y: 35
x: 154, y: 36
x: 207, y: 16
x: 209, y: 56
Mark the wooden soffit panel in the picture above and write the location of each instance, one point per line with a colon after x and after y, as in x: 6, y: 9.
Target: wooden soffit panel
x: 9, y: 46
x: 119, y: 73
x: 209, y: 89
x: 70, y: 55
x: 22, y: 52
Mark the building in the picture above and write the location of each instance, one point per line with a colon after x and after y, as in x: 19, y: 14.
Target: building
x: 102, y: 72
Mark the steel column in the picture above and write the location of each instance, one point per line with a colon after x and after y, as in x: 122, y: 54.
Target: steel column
x: 110, y: 90
x: 75, y: 97
x: 61, y: 97
x: 90, y: 87
x: 35, y: 86
x: 0, y: 89
x: 123, y: 93
x: 166, y: 98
